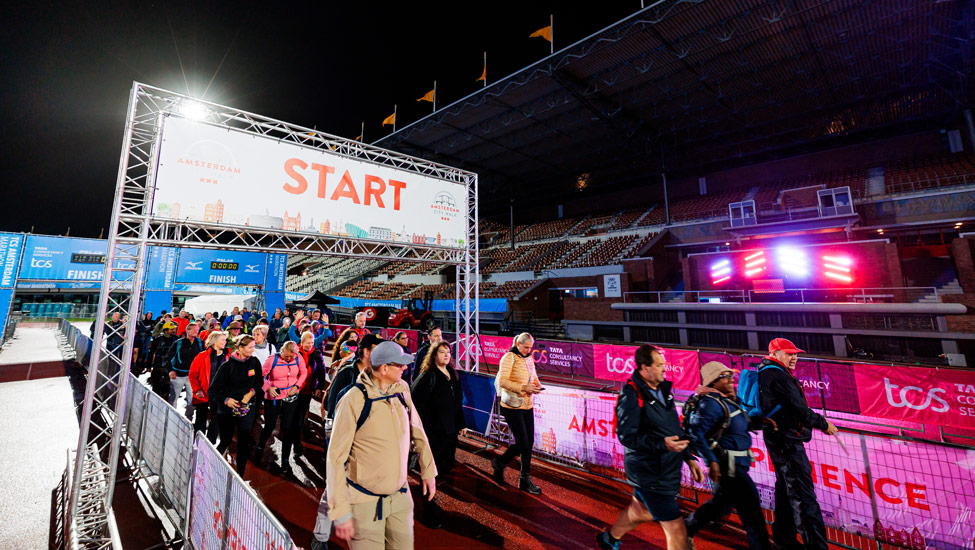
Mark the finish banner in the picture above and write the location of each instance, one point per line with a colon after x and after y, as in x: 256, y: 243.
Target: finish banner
x: 216, y: 175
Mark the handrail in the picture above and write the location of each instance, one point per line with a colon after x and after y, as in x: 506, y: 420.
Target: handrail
x: 805, y: 295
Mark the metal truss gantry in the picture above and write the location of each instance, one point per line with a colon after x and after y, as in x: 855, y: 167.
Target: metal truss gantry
x: 133, y: 229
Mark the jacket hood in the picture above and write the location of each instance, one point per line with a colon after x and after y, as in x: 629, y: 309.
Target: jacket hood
x: 365, y: 378
x: 514, y: 350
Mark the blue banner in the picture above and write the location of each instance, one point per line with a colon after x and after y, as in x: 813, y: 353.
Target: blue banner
x: 65, y: 259
x: 10, y: 245
x: 273, y: 300
x: 46, y: 285
x: 220, y: 267
x: 157, y: 301
x: 6, y: 295
x: 212, y: 289
x: 479, y: 393
x: 277, y: 270
x: 161, y: 269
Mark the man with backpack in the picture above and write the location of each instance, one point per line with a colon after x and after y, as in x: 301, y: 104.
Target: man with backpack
x: 649, y: 429
x: 782, y: 398
x: 348, y: 372
x: 159, y: 354
x: 718, y: 425
x: 181, y: 357
x: 366, y: 466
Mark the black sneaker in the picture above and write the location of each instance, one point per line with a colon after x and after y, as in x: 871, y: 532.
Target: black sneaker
x: 318, y: 544
x: 287, y: 471
x: 526, y: 485
x: 299, y: 448
x: 498, y: 474
x: 602, y: 541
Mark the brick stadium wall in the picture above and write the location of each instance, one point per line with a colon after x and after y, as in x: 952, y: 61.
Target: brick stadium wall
x: 592, y: 309
x: 962, y: 251
x: 961, y: 323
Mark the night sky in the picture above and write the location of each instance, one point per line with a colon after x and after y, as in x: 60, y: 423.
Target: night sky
x: 68, y: 69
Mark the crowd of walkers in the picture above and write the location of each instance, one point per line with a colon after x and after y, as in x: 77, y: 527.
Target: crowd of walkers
x: 387, y: 412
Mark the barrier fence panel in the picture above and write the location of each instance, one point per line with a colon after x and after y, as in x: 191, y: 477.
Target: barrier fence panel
x: 224, y: 512
x: 135, y: 415
x: 177, y: 461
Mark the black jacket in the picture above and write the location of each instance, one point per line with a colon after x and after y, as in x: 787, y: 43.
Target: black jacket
x: 344, y: 377
x: 182, y: 354
x: 439, y: 402
x: 414, y: 370
x: 159, y: 351
x: 235, y: 378
x: 648, y: 463
x: 777, y: 386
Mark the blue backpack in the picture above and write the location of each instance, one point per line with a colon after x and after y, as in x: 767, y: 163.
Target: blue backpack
x: 367, y: 406
x: 748, y: 388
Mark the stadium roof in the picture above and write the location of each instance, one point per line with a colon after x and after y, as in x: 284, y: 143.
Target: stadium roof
x: 706, y: 85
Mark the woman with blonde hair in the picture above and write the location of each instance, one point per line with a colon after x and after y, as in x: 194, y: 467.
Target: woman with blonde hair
x: 284, y: 374
x: 516, y: 383
x: 202, y: 370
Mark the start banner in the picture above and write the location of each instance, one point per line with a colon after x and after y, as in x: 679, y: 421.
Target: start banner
x: 217, y: 175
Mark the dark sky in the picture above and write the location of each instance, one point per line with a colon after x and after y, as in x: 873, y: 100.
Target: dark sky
x: 68, y: 69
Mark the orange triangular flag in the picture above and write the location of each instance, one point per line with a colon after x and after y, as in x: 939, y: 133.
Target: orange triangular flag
x: 544, y: 32
x: 391, y: 119
x: 428, y: 96
x: 357, y: 138
x: 483, y: 74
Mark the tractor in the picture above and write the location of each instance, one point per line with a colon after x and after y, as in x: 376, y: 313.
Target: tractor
x: 414, y: 313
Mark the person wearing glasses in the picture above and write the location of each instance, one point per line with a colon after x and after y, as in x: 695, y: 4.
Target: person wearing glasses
x: 719, y: 433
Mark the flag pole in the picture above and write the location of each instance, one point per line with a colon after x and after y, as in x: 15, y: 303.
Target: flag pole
x: 485, y: 69
x: 394, y: 118
x: 551, y: 26
x: 362, y: 132
x: 434, y: 96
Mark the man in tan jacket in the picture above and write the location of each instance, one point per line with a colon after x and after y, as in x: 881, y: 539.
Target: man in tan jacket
x: 366, y: 467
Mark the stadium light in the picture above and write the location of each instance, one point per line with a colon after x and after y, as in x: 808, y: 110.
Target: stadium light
x: 720, y: 271
x: 793, y: 261
x: 753, y: 263
x: 193, y: 110
x: 838, y: 268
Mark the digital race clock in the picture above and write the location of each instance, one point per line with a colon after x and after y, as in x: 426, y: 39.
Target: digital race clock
x: 224, y: 266
x: 87, y: 258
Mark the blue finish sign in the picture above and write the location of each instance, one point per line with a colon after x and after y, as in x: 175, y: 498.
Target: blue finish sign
x: 220, y: 267
x: 277, y: 270
x: 65, y: 259
x: 161, y: 270
x: 10, y: 245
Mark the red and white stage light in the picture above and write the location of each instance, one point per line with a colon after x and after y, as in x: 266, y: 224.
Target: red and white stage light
x: 720, y: 272
x: 755, y: 263
x: 838, y: 268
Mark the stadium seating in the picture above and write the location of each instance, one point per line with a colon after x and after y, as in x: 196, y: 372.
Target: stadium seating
x: 510, y: 289
x: 918, y: 174
x: 545, y: 230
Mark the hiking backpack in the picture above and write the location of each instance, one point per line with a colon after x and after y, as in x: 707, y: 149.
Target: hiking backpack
x: 690, y: 410
x: 748, y: 393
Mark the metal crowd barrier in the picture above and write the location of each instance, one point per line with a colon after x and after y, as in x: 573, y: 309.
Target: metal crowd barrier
x: 202, y: 495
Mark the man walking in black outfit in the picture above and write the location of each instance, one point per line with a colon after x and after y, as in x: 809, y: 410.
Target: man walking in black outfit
x: 782, y: 399
x: 649, y: 428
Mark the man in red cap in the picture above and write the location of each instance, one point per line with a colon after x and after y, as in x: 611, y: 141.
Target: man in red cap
x: 782, y: 398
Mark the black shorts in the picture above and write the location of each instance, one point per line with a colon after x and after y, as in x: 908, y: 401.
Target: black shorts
x: 662, y: 507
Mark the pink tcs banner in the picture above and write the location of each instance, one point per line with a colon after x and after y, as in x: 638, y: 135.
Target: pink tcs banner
x: 617, y: 363
x: 924, y: 493
x: 933, y: 396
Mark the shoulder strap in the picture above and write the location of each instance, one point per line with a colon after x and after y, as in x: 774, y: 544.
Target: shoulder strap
x: 367, y: 405
x: 639, y: 394
x: 274, y: 363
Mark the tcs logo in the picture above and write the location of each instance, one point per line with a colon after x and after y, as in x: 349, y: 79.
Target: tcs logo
x: 902, y: 399
x: 34, y: 262
x: 619, y: 364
